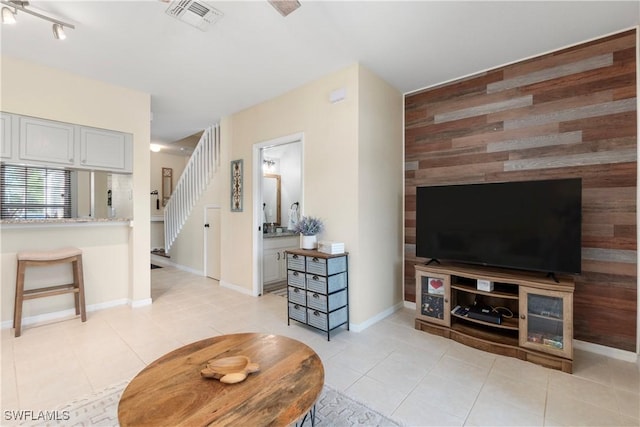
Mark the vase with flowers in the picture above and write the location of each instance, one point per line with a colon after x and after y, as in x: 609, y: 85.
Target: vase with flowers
x: 309, y: 227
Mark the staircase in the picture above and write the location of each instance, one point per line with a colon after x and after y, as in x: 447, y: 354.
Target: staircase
x: 204, y: 162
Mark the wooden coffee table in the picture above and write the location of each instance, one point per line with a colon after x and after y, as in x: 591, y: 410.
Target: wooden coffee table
x: 171, y: 392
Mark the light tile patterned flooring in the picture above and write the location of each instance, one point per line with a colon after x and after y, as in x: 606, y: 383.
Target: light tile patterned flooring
x: 412, y: 376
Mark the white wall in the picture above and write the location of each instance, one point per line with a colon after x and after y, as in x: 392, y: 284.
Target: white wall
x: 38, y: 91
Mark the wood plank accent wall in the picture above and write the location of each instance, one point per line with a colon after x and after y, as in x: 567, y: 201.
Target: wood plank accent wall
x: 571, y: 113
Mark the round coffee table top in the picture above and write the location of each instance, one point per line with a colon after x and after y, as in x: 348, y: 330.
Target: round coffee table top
x: 171, y: 392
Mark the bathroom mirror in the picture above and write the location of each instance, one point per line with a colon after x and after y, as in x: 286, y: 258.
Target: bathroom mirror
x: 271, y: 198
x: 167, y: 185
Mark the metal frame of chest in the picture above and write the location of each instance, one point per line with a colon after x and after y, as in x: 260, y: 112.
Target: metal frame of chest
x: 318, y: 289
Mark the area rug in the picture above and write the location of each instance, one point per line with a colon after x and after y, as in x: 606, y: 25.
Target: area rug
x: 100, y: 409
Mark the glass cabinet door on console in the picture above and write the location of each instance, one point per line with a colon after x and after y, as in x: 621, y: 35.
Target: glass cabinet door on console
x: 433, y: 297
x: 544, y: 321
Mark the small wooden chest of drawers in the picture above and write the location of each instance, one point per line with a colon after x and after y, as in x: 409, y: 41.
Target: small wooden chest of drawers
x: 318, y: 289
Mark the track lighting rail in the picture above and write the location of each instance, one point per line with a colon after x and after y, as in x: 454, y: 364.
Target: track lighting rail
x: 58, y: 25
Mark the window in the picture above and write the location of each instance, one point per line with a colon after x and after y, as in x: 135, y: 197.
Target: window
x: 34, y: 193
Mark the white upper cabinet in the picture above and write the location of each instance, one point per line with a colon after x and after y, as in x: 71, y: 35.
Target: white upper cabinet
x: 34, y: 141
x: 6, y: 149
x: 47, y: 141
x: 104, y: 149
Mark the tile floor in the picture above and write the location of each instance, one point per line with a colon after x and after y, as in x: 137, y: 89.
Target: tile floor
x: 412, y: 376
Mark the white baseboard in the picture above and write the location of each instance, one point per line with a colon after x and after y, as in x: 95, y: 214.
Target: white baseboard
x: 140, y: 302
x: 236, y: 288
x: 611, y: 352
x: 166, y: 262
x: 409, y: 304
x: 359, y: 327
x: 69, y: 313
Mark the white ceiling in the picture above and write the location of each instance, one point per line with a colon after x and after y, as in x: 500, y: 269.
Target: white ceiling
x: 253, y: 53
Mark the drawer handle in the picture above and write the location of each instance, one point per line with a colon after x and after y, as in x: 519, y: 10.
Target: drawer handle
x: 316, y: 296
x: 316, y: 278
x: 315, y: 259
x: 296, y: 290
x: 295, y: 273
x: 315, y: 313
x: 295, y: 257
x: 296, y: 306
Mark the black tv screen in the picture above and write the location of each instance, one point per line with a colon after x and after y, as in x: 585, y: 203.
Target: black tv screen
x: 528, y: 225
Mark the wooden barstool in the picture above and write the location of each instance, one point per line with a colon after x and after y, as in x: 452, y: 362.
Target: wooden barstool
x: 45, y: 258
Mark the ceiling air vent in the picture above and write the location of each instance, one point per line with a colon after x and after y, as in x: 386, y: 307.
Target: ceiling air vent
x: 194, y: 12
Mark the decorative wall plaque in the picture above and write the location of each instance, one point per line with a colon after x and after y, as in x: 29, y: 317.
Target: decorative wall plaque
x: 236, y: 185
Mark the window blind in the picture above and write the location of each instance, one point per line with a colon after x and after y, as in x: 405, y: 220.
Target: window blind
x: 34, y: 193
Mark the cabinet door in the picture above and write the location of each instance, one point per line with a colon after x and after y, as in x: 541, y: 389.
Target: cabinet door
x: 271, y: 261
x: 433, y: 293
x: 282, y: 264
x: 47, y: 141
x: 105, y: 149
x: 546, y: 321
x: 5, y: 133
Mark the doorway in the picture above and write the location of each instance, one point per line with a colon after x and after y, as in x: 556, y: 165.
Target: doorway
x: 278, y: 161
x: 212, y: 242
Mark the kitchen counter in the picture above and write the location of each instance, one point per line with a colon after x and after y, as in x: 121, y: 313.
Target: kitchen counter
x: 16, y: 223
x: 107, y: 258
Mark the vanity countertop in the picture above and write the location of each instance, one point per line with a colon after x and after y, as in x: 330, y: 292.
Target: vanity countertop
x: 285, y: 233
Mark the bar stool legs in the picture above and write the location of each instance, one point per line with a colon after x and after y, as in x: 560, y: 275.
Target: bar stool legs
x: 46, y: 258
x: 17, y: 311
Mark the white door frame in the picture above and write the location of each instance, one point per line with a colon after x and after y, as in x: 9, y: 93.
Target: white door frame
x: 204, y: 234
x: 257, y: 199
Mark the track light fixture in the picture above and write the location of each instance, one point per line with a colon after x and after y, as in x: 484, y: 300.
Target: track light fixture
x: 9, y: 17
x: 58, y: 32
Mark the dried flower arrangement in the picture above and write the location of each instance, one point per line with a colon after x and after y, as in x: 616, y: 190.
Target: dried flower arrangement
x: 309, y: 226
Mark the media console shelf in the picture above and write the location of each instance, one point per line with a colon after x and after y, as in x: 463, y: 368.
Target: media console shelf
x: 525, y: 315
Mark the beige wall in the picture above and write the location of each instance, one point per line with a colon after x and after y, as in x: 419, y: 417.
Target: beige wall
x: 105, y: 260
x: 352, y: 180
x: 158, y: 161
x: 330, y: 145
x: 54, y: 94
x: 164, y: 160
x: 380, y: 196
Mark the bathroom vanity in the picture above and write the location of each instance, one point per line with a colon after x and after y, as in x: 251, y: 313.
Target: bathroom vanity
x: 274, y: 259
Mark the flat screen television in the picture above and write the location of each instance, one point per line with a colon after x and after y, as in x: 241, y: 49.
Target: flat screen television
x: 526, y: 225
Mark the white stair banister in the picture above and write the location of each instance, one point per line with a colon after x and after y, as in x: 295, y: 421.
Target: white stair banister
x: 204, y: 162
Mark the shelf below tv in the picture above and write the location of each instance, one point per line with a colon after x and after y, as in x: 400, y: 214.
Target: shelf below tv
x: 516, y: 336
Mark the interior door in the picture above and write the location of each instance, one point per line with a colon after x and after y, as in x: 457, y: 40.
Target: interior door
x: 212, y: 240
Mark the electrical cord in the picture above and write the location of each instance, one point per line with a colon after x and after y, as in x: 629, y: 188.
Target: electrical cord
x: 504, y: 311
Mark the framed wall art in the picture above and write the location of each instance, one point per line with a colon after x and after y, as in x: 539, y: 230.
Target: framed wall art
x: 236, y: 185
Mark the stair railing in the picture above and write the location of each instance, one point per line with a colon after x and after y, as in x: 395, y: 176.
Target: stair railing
x: 204, y: 162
